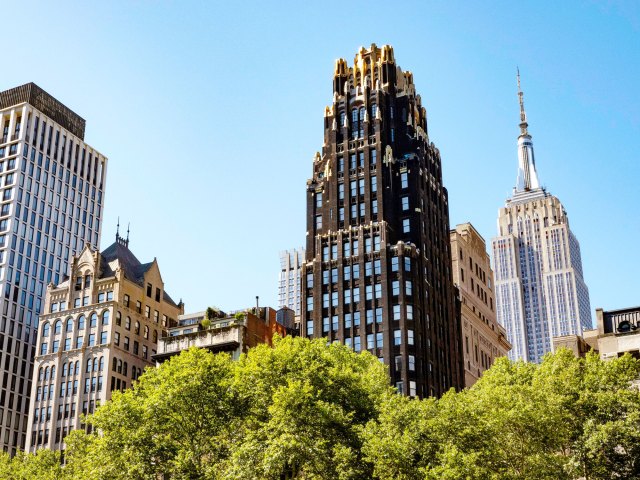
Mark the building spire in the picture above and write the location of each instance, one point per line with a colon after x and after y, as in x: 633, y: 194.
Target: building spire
x: 523, y: 114
x: 527, y: 175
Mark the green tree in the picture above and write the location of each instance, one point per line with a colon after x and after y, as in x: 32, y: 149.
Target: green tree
x: 307, y: 404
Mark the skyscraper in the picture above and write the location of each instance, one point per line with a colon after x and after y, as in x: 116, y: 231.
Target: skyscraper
x: 540, y: 291
x: 290, y: 279
x: 51, y: 206
x: 378, y: 262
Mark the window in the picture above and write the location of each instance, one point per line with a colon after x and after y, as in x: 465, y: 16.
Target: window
x: 147, y: 311
x: 356, y: 344
x: 136, y: 329
x: 318, y: 199
x: 378, y: 290
x: 67, y: 344
x: 92, y: 340
x: 379, y: 315
x: 103, y: 338
x: 116, y: 338
x: 412, y: 388
x: 397, y: 337
x: 410, y: 337
x: 377, y: 269
x: 157, y: 294
x: 369, y: 317
x: 325, y: 324
x: 406, y: 225
x: 126, y: 301
x: 356, y: 271
x: 126, y: 343
x: 105, y: 318
x: 370, y: 342
x: 43, y: 348
x: 356, y: 319
x: 79, y: 341
x: 149, y: 290
x: 341, y: 191
x: 58, y: 327
x: 81, y: 323
x: 395, y: 288
x: 394, y: 264
x: 412, y: 363
x: 347, y: 320
x: 404, y: 181
x: 93, y: 320
x: 340, y: 164
x: 409, y: 312
x: 55, y: 346
x: 407, y: 264
x: 146, y: 332
x: 396, y: 312
x: 408, y: 287
x: 379, y: 340
x: 318, y: 222
x: 145, y: 352
x: 334, y: 323
x: 309, y: 280
x: 138, y: 306
x: 45, y: 329
x: 374, y: 184
x: 309, y: 327
x: 405, y: 203
x: 87, y: 281
x: 127, y: 323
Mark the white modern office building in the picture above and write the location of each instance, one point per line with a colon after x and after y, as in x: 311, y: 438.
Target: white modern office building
x: 289, y: 279
x: 51, y: 201
x: 539, y: 286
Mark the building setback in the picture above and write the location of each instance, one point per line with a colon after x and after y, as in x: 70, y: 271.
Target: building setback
x: 540, y: 291
x: 100, y: 331
x: 377, y: 275
x: 233, y: 333
x: 483, y: 338
x: 51, y: 203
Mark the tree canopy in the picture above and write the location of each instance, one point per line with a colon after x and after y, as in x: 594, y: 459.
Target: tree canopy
x: 307, y: 410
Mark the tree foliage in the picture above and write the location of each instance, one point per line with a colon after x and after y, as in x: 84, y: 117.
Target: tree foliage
x: 307, y: 410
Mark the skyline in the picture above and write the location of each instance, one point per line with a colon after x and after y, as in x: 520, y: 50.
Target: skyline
x: 580, y: 113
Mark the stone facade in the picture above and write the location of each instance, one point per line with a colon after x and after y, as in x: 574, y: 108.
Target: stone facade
x: 377, y: 275
x: 483, y: 338
x: 99, y: 333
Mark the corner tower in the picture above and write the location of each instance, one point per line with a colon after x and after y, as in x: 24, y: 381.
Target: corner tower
x: 377, y: 274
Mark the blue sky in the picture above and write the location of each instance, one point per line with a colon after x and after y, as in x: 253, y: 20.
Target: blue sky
x: 210, y: 114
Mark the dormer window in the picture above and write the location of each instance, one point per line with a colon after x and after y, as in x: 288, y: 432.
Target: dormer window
x: 79, y: 282
x: 87, y: 281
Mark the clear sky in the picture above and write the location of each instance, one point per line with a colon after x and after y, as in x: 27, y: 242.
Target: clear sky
x: 211, y: 112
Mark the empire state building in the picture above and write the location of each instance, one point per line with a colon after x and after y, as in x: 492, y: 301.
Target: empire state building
x: 539, y: 286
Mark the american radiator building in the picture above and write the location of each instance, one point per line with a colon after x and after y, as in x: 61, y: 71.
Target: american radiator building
x: 540, y: 290
x: 377, y: 274
x: 51, y: 200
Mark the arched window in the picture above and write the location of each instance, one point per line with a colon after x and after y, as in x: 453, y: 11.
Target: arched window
x: 40, y: 374
x: 57, y: 327
x: 118, y: 318
x: 53, y: 372
x: 77, y: 367
x: 46, y: 373
x: 137, y: 329
x: 89, y: 363
x: 342, y: 117
x: 119, y: 366
x: 133, y: 373
x: 95, y: 364
x: 127, y: 323
x: 374, y: 111
x: 101, y: 365
x: 69, y: 326
x: 125, y: 369
x: 361, y: 123
x: 155, y: 336
x: 114, y: 364
x: 45, y: 329
x: 81, y: 323
x: 94, y: 320
x: 146, y: 332
x: 64, y: 370
x: 105, y: 317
